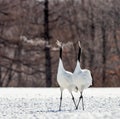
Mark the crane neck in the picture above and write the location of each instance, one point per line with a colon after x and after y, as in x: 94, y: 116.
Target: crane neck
x: 60, y: 66
x: 61, y: 52
x: 78, y: 67
x: 79, y: 53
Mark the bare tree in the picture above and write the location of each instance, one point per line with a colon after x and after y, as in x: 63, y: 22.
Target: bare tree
x: 0, y: 69
x: 104, y: 42
x: 47, y: 48
x: 115, y: 15
x: 18, y: 64
x: 33, y: 62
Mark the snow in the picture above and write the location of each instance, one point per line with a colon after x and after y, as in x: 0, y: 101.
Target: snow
x: 43, y: 103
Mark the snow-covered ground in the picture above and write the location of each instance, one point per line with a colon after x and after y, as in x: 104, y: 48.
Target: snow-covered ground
x: 43, y: 103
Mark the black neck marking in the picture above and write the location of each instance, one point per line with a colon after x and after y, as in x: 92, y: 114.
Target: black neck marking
x: 61, y: 52
x: 79, y: 53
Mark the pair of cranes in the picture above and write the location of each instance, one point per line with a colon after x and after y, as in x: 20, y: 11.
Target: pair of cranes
x: 79, y: 80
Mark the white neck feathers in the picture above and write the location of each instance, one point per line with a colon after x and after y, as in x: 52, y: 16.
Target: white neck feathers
x: 60, y: 65
x: 78, y: 67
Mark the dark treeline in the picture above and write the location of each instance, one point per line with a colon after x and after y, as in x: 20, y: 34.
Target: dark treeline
x: 29, y: 30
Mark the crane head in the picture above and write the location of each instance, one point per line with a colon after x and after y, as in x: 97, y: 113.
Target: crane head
x: 79, y: 44
x: 60, y: 44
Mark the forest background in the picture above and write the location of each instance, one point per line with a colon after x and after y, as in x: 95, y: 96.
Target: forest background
x: 29, y: 30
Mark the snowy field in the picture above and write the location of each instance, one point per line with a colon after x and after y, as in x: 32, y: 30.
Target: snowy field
x: 43, y: 103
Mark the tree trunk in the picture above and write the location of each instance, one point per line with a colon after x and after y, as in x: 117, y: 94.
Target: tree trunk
x: 18, y: 57
x: 83, y: 3
x: 47, y: 49
x: 116, y: 41
x: 92, y: 34
x: 9, y: 78
x: 115, y: 29
x: 104, y: 52
x: 0, y: 76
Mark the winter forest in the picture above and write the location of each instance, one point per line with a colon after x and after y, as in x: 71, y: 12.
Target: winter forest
x: 29, y: 30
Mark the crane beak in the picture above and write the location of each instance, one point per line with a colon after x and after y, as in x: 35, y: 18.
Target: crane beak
x: 79, y: 44
x: 60, y: 44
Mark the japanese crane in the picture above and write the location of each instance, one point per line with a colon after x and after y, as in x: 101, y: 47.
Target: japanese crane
x: 64, y: 78
x: 82, y: 78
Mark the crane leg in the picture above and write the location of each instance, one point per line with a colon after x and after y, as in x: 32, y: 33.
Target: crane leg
x: 60, y: 100
x: 82, y: 103
x: 73, y: 100
x: 81, y: 97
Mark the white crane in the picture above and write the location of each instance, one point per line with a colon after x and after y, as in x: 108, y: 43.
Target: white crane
x: 64, y: 78
x: 82, y: 78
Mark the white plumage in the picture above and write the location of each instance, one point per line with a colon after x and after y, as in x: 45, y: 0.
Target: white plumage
x: 82, y: 78
x: 64, y: 78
